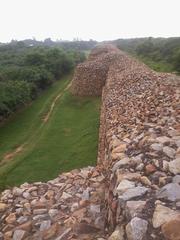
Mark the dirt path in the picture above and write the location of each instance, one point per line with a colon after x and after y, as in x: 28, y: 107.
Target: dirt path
x: 9, y: 156
x: 54, y: 103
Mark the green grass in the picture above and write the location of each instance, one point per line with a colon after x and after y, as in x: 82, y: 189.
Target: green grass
x: 21, y: 126
x: 68, y: 140
x: 159, y: 66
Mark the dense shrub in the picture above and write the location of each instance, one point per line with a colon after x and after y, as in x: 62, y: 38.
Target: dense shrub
x: 26, y: 71
x: 13, y: 94
x: 162, y: 54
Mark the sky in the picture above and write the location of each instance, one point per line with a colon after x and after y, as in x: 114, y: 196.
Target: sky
x: 88, y: 19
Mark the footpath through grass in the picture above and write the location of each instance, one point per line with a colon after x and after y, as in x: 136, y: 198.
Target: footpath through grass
x: 67, y: 140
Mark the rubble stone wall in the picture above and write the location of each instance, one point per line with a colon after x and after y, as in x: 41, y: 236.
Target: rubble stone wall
x: 134, y: 191
x: 90, y: 76
x: 139, y: 146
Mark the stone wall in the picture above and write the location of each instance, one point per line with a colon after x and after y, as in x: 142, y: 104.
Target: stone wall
x: 134, y: 191
x: 102, y: 50
x: 90, y: 76
x: 139, y: 146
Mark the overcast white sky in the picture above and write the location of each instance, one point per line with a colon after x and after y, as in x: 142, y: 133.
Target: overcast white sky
x: 85, y: 19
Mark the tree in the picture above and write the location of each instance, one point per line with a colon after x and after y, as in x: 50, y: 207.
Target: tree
x: 35, y: 59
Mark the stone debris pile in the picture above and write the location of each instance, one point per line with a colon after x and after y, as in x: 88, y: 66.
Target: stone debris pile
x: 134, y: 192
x: 68, y: 207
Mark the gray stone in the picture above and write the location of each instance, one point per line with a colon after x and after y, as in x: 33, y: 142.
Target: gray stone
x: 165, y: 166
x: 174, y: 166
x: 124, y: 185
x: 140, y: 167
x: 173, y: 133
x: 26, y: 195
x: 19, y: 234
x: 53, y: 212
x: 177, y: 143
x: 63, y: 207
x: 25, y: 185
x: 95, y: 209
x: 137, y: 159
x: 39, y: 211
x: 6, y: 195
x: 45, y: 225
x: 170, y: 152
x: 74, y: 207
x: 176, y: 179
x: 54, y: 181
x: 40, y: 217
x: 163, y: 139
x: 132, y: 193
x: 85, y: 195
x: 1, y: 236
x: 177, y: 137
x: 169, y: 192
x: 121, y: 163
x: 85, y: 172
x: 22, y: 219
x: 19, y: 210
x: 157, y: 147
x: 178, y: 204
x: 17, y: 191
x: 99, y: 222
x: 136, y: 229
x: 133, y: 208
x: 31, y: 189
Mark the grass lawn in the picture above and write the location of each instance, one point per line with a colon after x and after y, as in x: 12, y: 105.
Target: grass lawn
x: 67, y: 140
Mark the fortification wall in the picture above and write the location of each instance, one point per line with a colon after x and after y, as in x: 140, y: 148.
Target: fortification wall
x: 140, y: 150
x: 102, y: 50
x: 90, y: 76
x: 134, y: 191
x: 138, y: 145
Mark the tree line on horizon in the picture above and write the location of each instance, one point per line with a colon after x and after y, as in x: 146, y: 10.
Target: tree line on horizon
x: 76, y: 44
